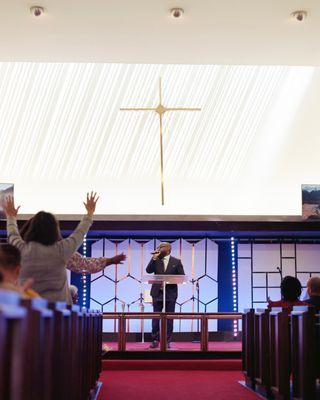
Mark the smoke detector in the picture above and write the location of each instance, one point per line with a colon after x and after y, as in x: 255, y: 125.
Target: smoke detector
x: 299, y: 15
x: 37, y: 11
x: 176, y: 12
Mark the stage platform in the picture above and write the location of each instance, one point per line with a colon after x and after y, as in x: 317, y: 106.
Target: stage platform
x: 173, y: 365
x: 178, y: 350
x: 205, y: 348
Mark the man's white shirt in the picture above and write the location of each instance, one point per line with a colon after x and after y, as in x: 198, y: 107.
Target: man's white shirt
x: 166, y: 262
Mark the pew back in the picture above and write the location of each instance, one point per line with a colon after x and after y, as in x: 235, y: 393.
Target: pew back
x: 285, y: 352
x: 48, y: 351
x: 248, y: 365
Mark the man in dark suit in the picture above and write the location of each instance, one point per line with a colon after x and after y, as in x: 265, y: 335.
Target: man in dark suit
x: 163, y: 263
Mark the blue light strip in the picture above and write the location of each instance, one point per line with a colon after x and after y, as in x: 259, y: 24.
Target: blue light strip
x: 234, y: 285
x: 84, y: 277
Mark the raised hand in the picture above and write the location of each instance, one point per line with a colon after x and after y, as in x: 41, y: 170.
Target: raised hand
x: 91, y: 203
x: 156, y: 254
x: 26, y: 285
x: 9, y: 207
x: 118, y: 259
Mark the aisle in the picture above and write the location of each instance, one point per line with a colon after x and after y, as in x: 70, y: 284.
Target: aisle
x: 173, y: 384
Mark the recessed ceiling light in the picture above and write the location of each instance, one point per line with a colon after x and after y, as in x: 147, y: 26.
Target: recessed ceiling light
x: 176, y: 12
x: 37, y: 11
x: 299, y: 15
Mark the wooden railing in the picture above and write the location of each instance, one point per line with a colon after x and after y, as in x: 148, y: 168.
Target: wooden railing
x: 123, y: 317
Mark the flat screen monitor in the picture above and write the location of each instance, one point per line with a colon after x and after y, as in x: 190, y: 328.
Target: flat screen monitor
x: 311, y: 202
x: 6, y: 189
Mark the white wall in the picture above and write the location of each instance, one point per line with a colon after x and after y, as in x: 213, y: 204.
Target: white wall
x: 260, y: 268
x: 247, y: 152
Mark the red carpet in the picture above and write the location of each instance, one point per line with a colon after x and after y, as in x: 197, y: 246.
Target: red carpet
x: 175, y: 385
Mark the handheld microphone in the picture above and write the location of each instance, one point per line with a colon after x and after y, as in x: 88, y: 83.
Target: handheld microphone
x: 280, y: 272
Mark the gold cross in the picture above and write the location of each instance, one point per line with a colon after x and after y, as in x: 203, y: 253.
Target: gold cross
x: 160, y: 110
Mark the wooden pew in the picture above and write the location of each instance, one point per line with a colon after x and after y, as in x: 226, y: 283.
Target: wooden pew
x: 304, y: 351
x: 279, y: 345
x: 12, y: 346
x: 91, y: 349
x: 98, y: 334
x: 248, y: 367
x: 47, y: 353
x: 77, y: 318
x: 39, y: 351
x: 85, y: 353
x: 94, y: 340
x: 61, y: 375
x: 86, y: 345
x: 291, y: 344
x: 91, y: 345
x: 97, y: 346
x: 262, y: 352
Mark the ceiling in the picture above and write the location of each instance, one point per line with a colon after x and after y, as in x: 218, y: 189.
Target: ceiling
x: 141, y: 31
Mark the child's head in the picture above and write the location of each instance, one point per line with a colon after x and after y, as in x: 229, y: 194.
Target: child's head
x: 10, y: 260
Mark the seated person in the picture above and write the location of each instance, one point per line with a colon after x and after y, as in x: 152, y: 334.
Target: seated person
x: 313, y: 290
x: 10, y: 260
x: 291, y: 290
x: 74, y: 294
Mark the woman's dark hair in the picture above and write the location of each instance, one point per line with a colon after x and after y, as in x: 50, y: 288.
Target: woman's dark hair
x: 42, y: 228
x: 24, y: 228
x: 291, y: 288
